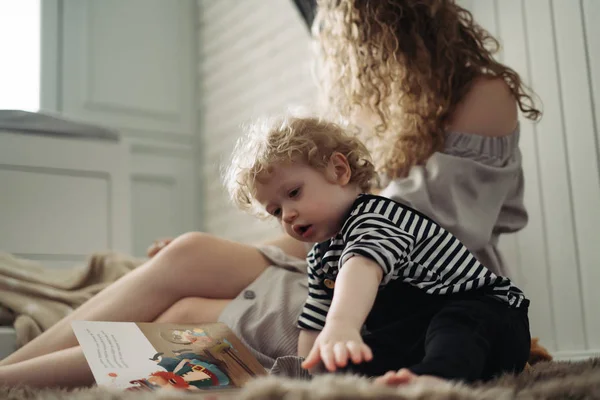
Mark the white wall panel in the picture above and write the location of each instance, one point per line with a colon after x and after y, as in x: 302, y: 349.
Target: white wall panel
x: 591, y: 16
x: 582, y: 155
x: 554, y: 45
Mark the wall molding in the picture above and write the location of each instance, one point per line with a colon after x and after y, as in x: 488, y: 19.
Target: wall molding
x: 155, y: 179
x: 162, y: 151
x: 157, y: 135
x: 95, y: 105
x: 57, y: 171
x: 575, y: 355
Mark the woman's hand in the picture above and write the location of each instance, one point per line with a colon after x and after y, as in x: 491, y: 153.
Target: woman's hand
x: 336, y: 344
x: 157, y: 246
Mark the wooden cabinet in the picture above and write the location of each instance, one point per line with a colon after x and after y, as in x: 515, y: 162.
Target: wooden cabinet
x: 129, y: 65
x: 62, y: 199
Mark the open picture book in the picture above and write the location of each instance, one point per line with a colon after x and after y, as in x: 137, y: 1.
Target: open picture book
x: 151, y: 356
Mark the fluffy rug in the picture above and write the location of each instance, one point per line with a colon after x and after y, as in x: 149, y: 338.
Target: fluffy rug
x: 548, y: 380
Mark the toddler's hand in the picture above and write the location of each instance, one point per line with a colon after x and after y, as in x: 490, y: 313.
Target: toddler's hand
x: 335, y: 345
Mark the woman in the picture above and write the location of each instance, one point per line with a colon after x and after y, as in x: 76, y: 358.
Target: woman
x: 440, y: 117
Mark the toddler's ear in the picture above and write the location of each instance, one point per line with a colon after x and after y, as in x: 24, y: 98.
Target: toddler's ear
x: 338, y: 169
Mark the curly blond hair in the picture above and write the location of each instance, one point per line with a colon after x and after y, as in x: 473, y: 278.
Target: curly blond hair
x: 409, y: 63
x: 291, y: 139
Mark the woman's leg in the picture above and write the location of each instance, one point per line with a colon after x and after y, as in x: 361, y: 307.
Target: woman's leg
x: 194, y: 310
x: 62, y: 368
x: 193, y: 265
x: 68, y: 367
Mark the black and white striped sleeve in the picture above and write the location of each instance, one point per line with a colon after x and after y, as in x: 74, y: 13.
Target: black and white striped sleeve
x: 376, y: 237
x: 314, y: 311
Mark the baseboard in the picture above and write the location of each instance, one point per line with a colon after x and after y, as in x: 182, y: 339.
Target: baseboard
x: 575, y: 355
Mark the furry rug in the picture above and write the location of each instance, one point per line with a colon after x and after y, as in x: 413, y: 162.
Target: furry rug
x: 548, y: 380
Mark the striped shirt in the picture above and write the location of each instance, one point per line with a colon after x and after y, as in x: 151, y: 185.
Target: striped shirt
x: 407, y: 245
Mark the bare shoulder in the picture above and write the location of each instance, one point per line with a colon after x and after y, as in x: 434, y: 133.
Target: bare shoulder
x: 488, y: 109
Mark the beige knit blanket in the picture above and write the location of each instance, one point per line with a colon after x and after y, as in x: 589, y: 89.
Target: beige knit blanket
x: 34, y: 297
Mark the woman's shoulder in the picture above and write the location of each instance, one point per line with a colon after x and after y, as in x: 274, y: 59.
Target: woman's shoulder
x: 488, y: 109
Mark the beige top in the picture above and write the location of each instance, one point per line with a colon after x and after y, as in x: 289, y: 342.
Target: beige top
x: 474, y: 189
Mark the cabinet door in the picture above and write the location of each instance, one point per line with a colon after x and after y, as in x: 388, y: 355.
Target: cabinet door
x: 163, y: 198
x: 62, y: 199
x: 128, y: 64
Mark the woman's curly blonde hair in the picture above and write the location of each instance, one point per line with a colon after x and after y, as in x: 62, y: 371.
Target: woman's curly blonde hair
x: 408, y: 62
x: 289, y: 139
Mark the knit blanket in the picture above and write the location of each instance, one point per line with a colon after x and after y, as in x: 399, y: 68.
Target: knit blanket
x: 34, y: 297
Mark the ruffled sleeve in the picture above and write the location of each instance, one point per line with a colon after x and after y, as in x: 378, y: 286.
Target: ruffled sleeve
x: 474, y: 189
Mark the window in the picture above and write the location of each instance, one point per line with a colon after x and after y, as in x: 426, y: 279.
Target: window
x: 20, y: 54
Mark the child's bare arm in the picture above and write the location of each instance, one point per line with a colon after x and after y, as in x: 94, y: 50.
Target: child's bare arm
x: 353, y: 297
x: 355, y: 291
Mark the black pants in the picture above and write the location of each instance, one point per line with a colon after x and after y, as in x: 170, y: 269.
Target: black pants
x: 468, y: 337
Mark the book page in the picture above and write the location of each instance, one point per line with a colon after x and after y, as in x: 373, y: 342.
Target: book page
x: 150, y: 356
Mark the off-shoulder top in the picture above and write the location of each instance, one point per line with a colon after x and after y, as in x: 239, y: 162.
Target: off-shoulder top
x: 473, y: 188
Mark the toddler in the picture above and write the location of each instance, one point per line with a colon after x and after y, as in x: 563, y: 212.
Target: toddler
x: 388, y: 288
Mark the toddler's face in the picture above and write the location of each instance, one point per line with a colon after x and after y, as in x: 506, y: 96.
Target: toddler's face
x: 309, y: 206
